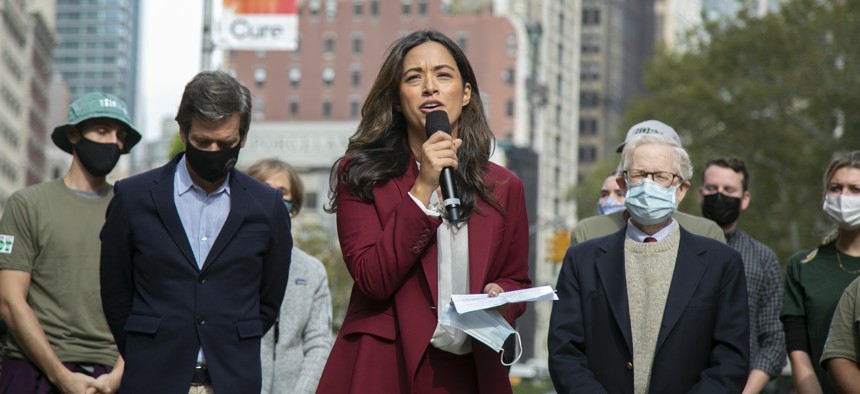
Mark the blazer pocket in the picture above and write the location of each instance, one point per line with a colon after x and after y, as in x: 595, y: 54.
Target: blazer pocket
x: 381, y: 325
x: 250, y: 329
x: 702, y: 302
x: 142, y: 324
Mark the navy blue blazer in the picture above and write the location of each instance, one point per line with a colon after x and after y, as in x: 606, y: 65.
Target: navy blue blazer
x: 161, y: 308
x: 703, y: 344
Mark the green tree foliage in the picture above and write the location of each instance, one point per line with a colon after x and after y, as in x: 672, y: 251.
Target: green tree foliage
x: 780, y: 92
x: 176, y: 146
x: 321, y: 242
x: 587, y: 192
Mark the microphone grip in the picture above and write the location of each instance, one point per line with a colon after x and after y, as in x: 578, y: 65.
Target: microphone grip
x: 449, y: 198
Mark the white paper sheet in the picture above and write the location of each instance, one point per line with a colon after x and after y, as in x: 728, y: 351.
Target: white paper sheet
x: 472, y: 302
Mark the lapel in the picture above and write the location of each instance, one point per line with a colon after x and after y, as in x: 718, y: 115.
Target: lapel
x: 481, y: 227
x: 162, y: 195
x: 689, y: 269
x: 239, y: 201
x: 610, y: 269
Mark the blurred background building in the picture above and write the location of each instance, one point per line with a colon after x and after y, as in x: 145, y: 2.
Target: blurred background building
x: 25, y: 77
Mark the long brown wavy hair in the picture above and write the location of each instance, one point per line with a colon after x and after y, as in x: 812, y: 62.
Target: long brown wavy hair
x: 379, y: 149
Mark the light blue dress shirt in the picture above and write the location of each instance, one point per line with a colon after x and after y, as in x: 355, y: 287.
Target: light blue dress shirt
x: 202, y: 215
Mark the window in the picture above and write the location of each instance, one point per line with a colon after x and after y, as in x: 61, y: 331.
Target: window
x: 406, y: 7
x: 355, y: 76
x: 587, y: 127
x: 590, y: 16
x: 588, y: 99
x: 330, y: 9
x: 589, y: 71
x: 326, y: 109
x: 558, y: 113
x: 374, y: 7
x: 422, y: 7
x: 294, y: 107
x: 462, y: 40
x: 511, y: 45
x: 354, y: 108
x: 314, y: 7
x: 590, y: 43
x: 356, y: 44
x: 295, y: 76
x: 587, y: 154
x: 357, y: 6
x: 509, y: 108
x: 561, y: 24
x: 259, y: 106
x: 509, y: 76
x: 328, y: 75
x: 328, y: 45
x: 260, y: 76
x: 560, y: 55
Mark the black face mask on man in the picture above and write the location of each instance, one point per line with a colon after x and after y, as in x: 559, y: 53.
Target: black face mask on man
x: 97, y: 158
x: 212, y: 166
x: 721, y: 208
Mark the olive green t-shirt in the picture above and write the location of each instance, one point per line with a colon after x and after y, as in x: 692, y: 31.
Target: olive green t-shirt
x: 844, y: 339
x: 814, y: 281
x: 52, y: 232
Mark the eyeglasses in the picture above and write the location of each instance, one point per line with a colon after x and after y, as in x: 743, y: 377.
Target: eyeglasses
x: 662, y: 178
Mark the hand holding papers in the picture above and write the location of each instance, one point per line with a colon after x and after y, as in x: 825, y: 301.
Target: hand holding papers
x: 472, y: 302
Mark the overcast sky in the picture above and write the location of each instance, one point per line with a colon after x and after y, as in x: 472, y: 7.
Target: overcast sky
x: 169, y: 56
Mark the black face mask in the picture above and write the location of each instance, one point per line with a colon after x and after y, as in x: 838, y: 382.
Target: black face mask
x: 97, y: 158
x: 212, y: 166
x: 721, y: 208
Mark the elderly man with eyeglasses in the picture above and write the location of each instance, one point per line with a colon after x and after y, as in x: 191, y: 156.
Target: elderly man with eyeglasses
x: 605, y: 224
x: 651, y: 308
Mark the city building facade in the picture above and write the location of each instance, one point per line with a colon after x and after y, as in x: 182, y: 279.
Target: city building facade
x: 25, y: 77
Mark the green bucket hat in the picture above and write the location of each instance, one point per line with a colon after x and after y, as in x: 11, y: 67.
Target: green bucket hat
x: 96, y: 105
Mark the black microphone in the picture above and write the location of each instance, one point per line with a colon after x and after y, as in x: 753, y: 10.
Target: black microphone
x: 436, y: 121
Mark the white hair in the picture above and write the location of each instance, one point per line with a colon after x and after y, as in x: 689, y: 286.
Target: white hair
x: 683, y: 165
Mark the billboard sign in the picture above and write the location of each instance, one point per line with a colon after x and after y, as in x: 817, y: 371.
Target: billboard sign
x: 271, y: 25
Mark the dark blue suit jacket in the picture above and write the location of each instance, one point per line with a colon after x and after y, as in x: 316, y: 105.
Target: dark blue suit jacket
x: 703, y: 344
x: 161, y: 308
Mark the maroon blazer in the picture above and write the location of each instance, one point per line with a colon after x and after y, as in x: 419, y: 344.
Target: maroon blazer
x: 389, y: 247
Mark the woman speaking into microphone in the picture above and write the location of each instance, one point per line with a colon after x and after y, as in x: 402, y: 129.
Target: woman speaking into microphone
x: 405, y: 254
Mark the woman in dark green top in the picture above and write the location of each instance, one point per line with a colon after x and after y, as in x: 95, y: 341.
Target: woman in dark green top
x: 815, y: 278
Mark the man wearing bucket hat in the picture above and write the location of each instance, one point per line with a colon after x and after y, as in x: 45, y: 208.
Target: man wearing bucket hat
x: 49, y: 261
x: 598, y: 226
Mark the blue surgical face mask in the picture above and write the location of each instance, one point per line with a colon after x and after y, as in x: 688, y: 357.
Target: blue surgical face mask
x: 609, y: 206
x: 650, y: 203
x: 487, y: 326
x: 289, y: 206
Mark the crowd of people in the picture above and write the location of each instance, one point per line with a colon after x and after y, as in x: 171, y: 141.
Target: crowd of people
x: 185, y: 278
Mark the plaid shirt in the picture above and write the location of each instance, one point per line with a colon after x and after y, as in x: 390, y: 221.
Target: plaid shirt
x: 764, y: 285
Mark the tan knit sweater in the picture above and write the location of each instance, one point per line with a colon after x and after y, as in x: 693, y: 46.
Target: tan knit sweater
x: 648, y: 268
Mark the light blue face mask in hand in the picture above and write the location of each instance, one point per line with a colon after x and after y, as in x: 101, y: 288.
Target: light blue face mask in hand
x: 487, y: 326
x: 650, y: 203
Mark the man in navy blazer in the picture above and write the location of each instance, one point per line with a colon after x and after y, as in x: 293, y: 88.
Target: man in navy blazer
x: 651, y: 308
x: 195, y: 256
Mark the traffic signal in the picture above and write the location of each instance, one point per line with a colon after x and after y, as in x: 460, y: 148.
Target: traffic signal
x: 557, y: 245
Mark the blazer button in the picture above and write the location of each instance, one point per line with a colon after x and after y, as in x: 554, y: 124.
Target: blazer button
x: 200, y: 320
x: 201, y: 280
x: 426, y: 232
x: 629, y: 365
x: 416, y: 250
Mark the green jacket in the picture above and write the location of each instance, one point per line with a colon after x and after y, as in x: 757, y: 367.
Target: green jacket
x: 598, y: 226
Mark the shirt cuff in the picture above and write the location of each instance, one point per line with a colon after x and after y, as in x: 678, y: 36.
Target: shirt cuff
x: 432, y: 211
